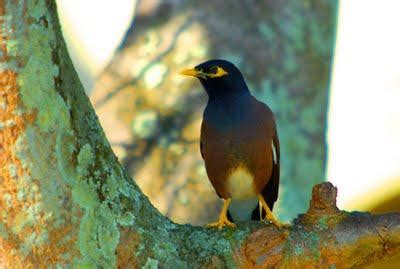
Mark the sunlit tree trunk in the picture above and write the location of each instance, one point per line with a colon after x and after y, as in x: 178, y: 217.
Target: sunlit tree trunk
x: 66, y: 201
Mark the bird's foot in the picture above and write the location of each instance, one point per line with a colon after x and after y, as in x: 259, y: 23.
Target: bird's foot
x: 269, y: 216
x: 283, y: 227
x: 223, y: 221
x: 278, y: 224
x: 274, y: 221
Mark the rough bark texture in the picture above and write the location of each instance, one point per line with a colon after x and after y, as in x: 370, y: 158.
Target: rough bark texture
x: 66, y: 201
x: 152, y: 115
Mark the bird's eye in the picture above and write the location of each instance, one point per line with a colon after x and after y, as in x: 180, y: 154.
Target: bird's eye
x: 214, y: 70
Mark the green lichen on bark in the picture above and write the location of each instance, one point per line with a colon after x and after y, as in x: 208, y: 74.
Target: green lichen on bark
x: 57, y: 159
x: 66, y: 132
x: 31, y: 48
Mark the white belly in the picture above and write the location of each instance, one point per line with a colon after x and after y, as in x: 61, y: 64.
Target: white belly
x: 240, y: 184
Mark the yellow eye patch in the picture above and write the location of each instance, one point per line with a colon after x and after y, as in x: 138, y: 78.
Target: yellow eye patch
x: 216, y: 72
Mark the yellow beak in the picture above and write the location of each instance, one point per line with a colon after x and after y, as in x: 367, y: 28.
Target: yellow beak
x: 190, y: 72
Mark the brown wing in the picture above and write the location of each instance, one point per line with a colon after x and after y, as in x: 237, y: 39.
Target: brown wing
x: 270, y: 191
x: 214, y: 154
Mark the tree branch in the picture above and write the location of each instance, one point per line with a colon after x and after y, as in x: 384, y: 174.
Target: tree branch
x: 326, y: 236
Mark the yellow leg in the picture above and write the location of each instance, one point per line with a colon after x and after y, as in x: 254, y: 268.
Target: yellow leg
x: 223, y: 219
x: 269, y: 216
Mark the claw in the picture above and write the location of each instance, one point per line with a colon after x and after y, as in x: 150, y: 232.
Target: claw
x: 221, y: 223
x: 269, y: 216
x: 278, y: 224
x: 223, y: 220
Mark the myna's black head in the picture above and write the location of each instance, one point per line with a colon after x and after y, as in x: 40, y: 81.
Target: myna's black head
x: 219, y: 78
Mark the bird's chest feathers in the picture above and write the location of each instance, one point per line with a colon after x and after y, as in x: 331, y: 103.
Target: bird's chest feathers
x: 240, y: 183
x: 225, y: 116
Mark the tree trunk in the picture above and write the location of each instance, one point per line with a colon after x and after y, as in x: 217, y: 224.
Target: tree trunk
x: 66, y: 201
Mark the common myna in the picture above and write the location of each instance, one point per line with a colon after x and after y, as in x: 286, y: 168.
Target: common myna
x: 239, y: 144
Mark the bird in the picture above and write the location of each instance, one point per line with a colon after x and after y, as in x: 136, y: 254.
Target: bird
x: 239, y: 144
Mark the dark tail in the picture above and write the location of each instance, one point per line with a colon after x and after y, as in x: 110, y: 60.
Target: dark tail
x: 270, y: 194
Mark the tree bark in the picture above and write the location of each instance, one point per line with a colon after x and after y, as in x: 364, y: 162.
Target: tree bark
x: 66, y: 201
